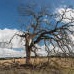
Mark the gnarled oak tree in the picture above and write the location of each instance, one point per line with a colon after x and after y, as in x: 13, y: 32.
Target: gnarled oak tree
x: 46, y: 27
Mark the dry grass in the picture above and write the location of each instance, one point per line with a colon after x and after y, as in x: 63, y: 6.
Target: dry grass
x: 54, y: 66
x: 63, y: 62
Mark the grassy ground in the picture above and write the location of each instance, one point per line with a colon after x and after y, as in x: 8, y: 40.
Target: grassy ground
x: 41, y: 66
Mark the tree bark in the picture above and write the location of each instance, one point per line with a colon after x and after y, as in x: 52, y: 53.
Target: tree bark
x: 28, y: 53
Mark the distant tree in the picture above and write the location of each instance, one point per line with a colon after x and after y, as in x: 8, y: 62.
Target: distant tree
x: 46, y: 28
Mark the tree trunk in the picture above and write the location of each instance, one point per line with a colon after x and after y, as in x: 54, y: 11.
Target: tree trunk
x: 28, y: 52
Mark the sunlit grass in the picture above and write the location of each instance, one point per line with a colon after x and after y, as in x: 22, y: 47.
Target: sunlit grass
x: 54, y: 66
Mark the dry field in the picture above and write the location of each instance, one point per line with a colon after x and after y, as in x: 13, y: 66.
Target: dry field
x: 54, y: 66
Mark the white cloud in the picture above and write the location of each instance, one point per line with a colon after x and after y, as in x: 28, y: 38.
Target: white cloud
x: 44, y: 52
x: 7, y: 34
x: 4, y: 52
x: 68, y: 14
x: 67, y: 17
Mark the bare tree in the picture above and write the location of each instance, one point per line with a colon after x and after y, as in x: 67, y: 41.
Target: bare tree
x: 44, y: 27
